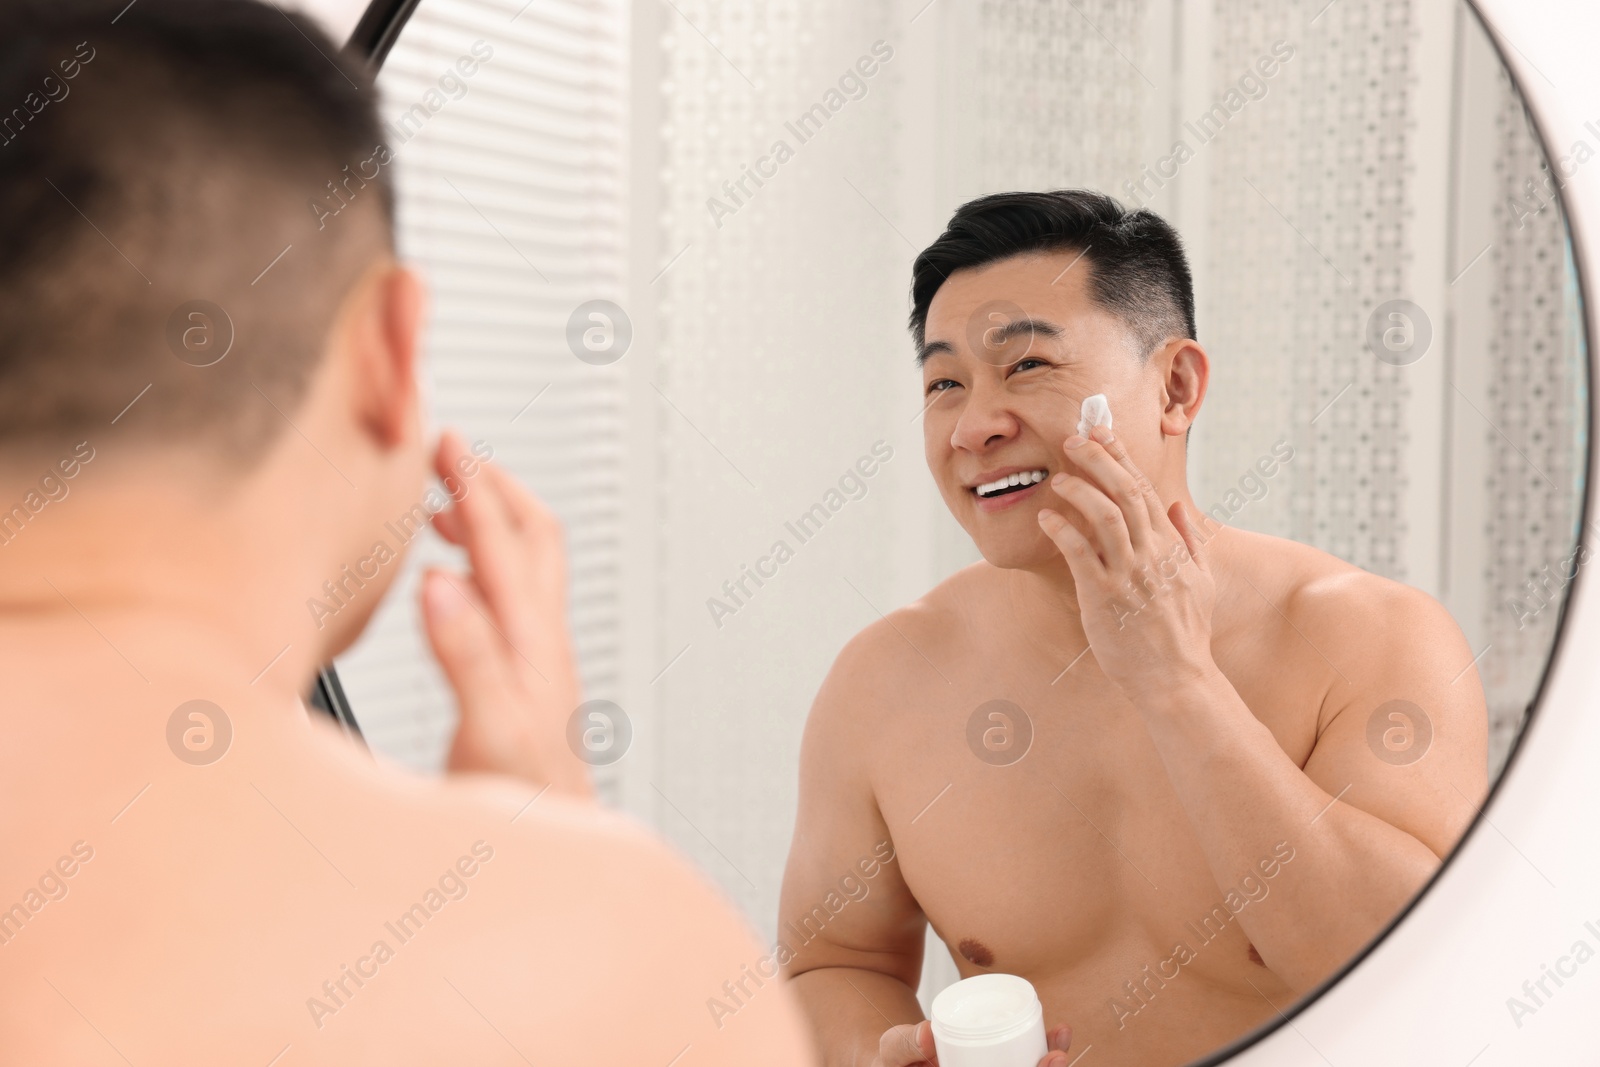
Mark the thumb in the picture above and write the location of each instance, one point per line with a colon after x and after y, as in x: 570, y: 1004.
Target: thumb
x: 458, y: 632
x: 925, y: 1043
x: 1193, y: 536
x: 1060, y: 1042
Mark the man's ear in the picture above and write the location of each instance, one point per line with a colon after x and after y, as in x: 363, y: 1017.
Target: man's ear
x: 1187, y: 372
x: 382, y: 332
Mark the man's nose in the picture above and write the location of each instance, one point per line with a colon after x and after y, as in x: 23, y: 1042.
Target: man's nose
x: 985, y: 419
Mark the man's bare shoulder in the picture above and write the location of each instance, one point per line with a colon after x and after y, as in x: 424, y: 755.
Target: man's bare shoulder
x: 1344, y: 608
x: 529, y: 819
x: 563, y: 906
x: 897, y: 651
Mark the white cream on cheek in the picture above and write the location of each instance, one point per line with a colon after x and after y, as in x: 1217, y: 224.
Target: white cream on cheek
x: 1095, y: 411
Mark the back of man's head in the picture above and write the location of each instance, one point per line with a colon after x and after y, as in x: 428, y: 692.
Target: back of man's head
x: 159, y: 161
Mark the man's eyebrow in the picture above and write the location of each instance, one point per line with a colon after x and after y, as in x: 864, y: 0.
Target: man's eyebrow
x: 1014, y: 328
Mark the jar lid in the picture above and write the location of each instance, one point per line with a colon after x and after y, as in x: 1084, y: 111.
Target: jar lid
x: 985, y: 1007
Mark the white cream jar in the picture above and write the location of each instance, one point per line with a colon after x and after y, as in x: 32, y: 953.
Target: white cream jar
x: 990, y: 1020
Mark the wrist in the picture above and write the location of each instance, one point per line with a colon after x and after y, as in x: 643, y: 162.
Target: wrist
x: 547, y: 758
x: 1178, y: 687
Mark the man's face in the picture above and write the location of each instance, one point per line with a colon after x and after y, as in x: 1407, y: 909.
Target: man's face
x: 1003, y: 395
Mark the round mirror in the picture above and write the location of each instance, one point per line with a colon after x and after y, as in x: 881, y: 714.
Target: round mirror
x: 828, y: 647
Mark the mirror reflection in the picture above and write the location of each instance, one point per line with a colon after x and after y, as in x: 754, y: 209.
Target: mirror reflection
x: 1082, y: 491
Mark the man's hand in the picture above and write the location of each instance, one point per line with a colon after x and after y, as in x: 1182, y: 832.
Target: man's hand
x: 911, y: 1045
x: 500, y: 632
x: 1145, y: 593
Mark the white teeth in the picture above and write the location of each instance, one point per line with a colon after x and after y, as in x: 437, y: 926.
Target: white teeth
x: 1010, y: 480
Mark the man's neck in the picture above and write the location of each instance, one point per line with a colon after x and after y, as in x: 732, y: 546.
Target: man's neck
x: 1044, y: 604
x: 178, y: 582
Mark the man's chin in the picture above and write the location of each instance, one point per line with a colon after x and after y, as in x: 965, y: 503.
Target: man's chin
x: 346, y: 627
x: 1020, y: 557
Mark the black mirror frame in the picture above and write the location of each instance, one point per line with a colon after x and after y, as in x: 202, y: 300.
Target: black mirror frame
x: 373, y: 37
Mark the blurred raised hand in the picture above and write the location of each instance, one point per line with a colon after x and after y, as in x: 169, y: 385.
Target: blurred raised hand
x: 500, y: 630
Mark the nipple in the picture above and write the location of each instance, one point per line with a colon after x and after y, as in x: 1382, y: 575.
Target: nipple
x: 976, y: 951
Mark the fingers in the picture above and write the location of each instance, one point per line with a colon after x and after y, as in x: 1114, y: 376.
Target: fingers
x: 500, y: 729
x: 1189, y: 530
x: 1103, y: 522
x: 1103, y: 461
x: 515, y: 546
x: 449, y: 526
x: 500, y: 634
x: 481, y: 523
x: 542, y: 540
x: 907, y: 1045
x: 1060, y: 1040
x: 1081, y: 555
x: 466, y: 646
x: 528, y: 517
x: 529, y: 513
x: 1146, y: 490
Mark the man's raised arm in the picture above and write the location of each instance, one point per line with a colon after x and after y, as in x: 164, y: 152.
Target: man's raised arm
x: 1365, y: 832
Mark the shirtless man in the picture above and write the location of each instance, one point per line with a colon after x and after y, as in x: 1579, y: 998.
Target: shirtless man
x: 233, y: 881
x: 1196, y: 801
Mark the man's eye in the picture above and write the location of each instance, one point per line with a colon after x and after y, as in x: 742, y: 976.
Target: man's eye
x: 1023, y: 364
x: 941, y: 385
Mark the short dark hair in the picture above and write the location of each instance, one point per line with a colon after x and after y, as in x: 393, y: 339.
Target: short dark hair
x: 1138, y: 270
x: 164, y: 152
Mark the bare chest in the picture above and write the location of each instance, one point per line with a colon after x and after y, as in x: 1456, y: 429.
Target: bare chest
x: 1036, y: 825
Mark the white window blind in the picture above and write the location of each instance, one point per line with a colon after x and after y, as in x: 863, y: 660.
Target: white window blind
x: 510, y: 199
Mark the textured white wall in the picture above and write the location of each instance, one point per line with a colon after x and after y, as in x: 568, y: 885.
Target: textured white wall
x: 1518, y: 894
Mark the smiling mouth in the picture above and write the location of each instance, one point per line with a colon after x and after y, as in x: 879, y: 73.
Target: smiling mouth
x: 1011, y: 483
